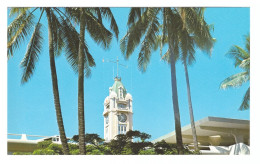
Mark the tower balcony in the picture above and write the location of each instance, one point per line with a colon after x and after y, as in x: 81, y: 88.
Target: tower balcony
x: 122, y: 101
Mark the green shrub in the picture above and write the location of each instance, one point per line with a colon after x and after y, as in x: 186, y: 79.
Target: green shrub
x: 90, y: 148
x: 44, y: 152
x: 73, y: 146
x: 44, y: 144
x: 74, y: 152
x: 147, y: 152
x: 105, y: 149
x: 57, y: 148
x: 95, y: 152
x: 22, y: 153
x: 127, y: 151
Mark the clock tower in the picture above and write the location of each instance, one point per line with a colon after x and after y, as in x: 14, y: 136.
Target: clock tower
x: 118, y: 111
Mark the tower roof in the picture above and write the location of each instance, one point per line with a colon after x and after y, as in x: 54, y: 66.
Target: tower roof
x: 117, y: 84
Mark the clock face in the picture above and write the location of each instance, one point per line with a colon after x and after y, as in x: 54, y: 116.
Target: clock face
x: 122, y: 117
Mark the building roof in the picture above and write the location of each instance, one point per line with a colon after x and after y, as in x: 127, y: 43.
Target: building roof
x: 117, y: 84
x: 211, y: 127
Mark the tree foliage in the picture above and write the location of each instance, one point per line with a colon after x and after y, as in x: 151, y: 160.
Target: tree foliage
x: 90, y: 138
x: 123, y: 144
x: 241, y: 58
x: 177, y: 27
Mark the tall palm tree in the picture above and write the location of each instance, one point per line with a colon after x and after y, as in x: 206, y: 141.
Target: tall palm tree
x: 144, y: 24
x: 90, y: 19
x: 187, y: 43
x: 61, y: 34
x: 241, y: 58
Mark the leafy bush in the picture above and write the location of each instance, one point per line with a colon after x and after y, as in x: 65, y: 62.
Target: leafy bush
x: 74, y: 152
x: 44, y: 144
x: 44, y: 152
x: 95, y: 152
x: 147, y: 152
x: 56, y: 148
x: 22, y: 153
x: 122, y: 145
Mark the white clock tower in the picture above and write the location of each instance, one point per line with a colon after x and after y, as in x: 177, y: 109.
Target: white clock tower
x: 118, y: 111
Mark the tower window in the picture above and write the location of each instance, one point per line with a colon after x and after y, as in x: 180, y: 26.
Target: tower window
x: 121, y: 129
x: 129, y: 104
x: 106, y: 134
x: 114, y: 101
x: 120, y: 92
x: 121, y: 106
x: 107, y: 119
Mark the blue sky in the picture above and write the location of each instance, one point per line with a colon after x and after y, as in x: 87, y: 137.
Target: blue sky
x: 31, y: 109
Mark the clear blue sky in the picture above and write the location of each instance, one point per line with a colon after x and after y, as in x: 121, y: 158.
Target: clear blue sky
x: 31, y: 108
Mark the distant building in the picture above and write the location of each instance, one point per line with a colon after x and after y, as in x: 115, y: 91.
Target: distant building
x: 118, y: 111
x: 25, y: 145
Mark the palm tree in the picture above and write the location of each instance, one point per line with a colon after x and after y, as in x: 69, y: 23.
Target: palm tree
x: 187, y: 49
x: 187, y: 43
x: 144, y: 23
x: 241, y: 58
x: 61, y: 34
x: 90, y: 19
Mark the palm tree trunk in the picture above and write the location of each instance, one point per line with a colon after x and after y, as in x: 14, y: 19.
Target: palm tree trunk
x: 175, y: 103
x: 195, y: 141
x: 81, y: 116
x: 55, y: 88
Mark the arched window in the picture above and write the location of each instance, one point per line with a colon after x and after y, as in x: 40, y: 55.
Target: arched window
x: 107, y: 119
x: 121, y: 92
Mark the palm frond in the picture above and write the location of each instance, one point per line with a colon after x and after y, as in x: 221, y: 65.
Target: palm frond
x: 73, y: 14
x: 17, y: 31
x: 134, y: 15
x: 245, y: 64
x: 241, y: 58
x: 88, y: 61
x: 248, y: 43
x: 166, y: 57
x: 246, y: 100
x: 187, y: 47
x: 123, y: 43
x: 197, y: 26
x: 149, y: 40
x: 97, y: 31
x: 70, y: 38
x: 58, y: 42
x: 238, y: 54
x: 18, y: 10
x: 31, y: 56
x: 158, y: 43
x: 106, y: 12
x: 133, y: 37
x: 235, y: 80
x: 174, y: 23
x: 164, y: 26
x: 71, y: 43
x: 98, y: 14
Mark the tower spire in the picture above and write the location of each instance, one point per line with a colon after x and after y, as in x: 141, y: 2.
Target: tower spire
x: 117, y: 65
x: 117, y: 61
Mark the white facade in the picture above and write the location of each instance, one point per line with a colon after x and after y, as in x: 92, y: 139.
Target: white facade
x: 118, y: 111
x: 216, y: 135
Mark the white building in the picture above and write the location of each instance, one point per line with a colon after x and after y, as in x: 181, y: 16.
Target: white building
x: 215, y: 135
x: 118, y: 111
x: 28, y: 145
